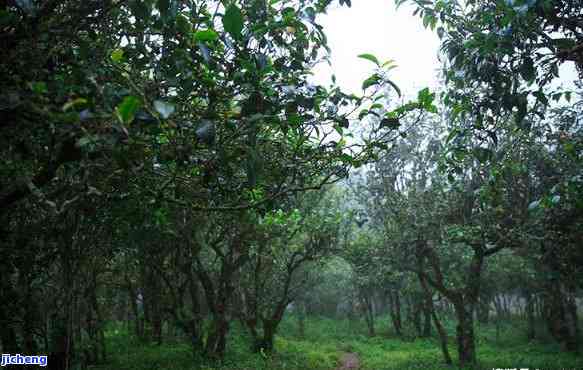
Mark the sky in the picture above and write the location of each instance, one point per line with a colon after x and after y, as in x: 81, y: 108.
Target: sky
x: 378, y: 28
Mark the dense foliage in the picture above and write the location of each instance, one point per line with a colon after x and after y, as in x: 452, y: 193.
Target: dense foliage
x: 174, y: 181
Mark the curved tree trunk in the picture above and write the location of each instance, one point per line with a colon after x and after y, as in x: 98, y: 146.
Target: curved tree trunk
x: 443, y: 341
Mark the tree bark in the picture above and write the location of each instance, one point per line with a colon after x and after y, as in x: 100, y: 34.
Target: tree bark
x: 196, y: 323
x: 561, y: 318
x: 483, y: 310
x: 301, y: 312
x: 465, y: 333
x: 464, y: 301
x: 416, y: 310
x: 530, y: 331
x: 368, y: 309
x: 395, y: 311
x: 427, y: 320
x: 443, y: 340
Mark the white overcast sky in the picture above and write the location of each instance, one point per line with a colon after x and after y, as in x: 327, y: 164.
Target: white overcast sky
x: 378, y: 28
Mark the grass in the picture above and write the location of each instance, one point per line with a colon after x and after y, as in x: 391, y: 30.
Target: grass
x: 327, y: 339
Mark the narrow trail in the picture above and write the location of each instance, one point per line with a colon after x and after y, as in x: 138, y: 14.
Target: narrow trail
x: 349, y: 361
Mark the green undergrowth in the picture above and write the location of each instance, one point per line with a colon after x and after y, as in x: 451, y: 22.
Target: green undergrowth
x: 325, y: 341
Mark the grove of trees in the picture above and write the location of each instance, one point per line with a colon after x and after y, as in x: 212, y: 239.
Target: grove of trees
x: 171, y: 167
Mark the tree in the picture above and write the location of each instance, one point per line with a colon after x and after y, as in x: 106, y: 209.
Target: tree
x: 294, y: 243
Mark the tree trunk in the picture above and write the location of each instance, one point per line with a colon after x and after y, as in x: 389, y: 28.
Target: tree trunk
x: 30, y: 312
x: 217, y: 338
x: 573, y: 320
x: 157, y: 319
x: 265, y: 342
x: 530, y: 332
x: 427, y: 320
x: 98, y: 324
x: 367, y: 304
x: 133, y: 300
x: 395, y: 311
x: 301, y: 319
x: 483, y: 310
x: 416, y: 310
x: 443, y: 341
x: 561, y: 319
x: 464, y: 301
x: 465, y: 333
x: 196, y: 323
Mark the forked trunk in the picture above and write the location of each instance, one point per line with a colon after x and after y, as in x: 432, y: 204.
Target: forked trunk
x: 217, y: 339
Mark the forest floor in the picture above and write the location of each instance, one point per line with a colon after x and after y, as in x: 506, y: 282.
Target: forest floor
x: 349, y: 361
x: 339, y: 345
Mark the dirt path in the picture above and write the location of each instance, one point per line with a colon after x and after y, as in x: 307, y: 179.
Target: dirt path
x: 349, y: 361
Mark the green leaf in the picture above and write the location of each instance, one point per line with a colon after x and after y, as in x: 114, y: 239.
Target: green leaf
x: 564, y: 43
x: 73, y: 103
x: 425, y: 97
x: 233, y: 21
x: 140, y: 9
x: 370, y: 57
x: 163, y: 7
x: 453, y: 134
x: 183, y: 24
x: 568, y: 96
x: 126, y: 110
x: 343, y: 122
x: 117, y: 55
x: 395, y: 87
x: 39, y: 87
x: 165, y: 109
x: 84, y: 141
x: 391, y: 122
x: 371, y: 81
x: 206, y: 35
x: 363, y: 113
x: 482, y: 154
x: 541, y: 97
